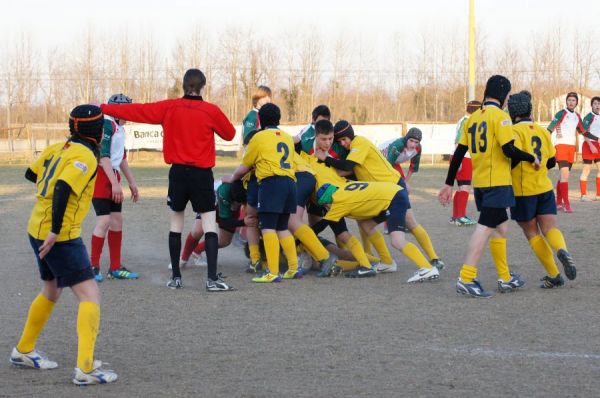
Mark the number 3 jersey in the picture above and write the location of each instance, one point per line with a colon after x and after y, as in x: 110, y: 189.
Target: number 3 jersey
x: 528, y: 181
x: 271, y: 153
x: 484, y: 133
x: 75, y: 164
x: 361, y: 200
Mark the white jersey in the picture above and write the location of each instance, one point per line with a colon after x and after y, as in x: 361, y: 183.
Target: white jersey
x: 566, y: 127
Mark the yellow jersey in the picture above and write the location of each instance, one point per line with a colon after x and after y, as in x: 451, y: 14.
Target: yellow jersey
x: 323, y: 173
x: 485, y: 132
x: 370, y: 163
x: 271, y: 153
x: 301, y: 164
x: 361, y: 200
x: 75, y: 164
x: 532, y: 138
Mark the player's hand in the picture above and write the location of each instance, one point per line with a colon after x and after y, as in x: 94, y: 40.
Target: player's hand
x: 407, y: 186
x: 445, y: 195
x: 227, y: 179
x: 47, y: 245
x: 321, y: 155
x: 251, y: 221
x: 536, y: 164
x: 117, y: 193
x: 135, y: 193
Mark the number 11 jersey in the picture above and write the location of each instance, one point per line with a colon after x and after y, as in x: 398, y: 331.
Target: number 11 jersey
x: 484, y: 134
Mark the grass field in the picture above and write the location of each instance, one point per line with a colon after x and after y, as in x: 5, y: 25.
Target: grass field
x: 332, y: 337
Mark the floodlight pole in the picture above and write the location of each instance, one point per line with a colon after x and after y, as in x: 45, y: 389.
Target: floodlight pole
x: 471, y: 50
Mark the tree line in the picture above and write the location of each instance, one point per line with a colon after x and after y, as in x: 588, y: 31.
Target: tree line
x: 419, y: 76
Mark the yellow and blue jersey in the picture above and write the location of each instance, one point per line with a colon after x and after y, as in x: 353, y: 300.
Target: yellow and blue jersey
x: 271, y: 153
x: 484, y: 133
x: 531, y: 138
x: 371, y: 165
x: 361, y: 200
x: 75, y: 164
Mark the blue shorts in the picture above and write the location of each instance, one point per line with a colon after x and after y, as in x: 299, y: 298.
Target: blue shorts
x: 305, y: 186
x: 395, y: 215
x: 67, y: 261
x: 277, y: 194
x: 528, y: 207
x: 402, y: 183
x: 496, y: 197
x: 252, y: 192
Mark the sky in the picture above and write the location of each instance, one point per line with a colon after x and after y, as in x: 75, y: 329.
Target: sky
x: 54, y: 24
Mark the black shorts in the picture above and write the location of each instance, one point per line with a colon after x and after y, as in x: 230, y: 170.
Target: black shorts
x: 564, y: 163
x: 104, y: 207
x: 402, y: 183
x: 252, y: 192
x: 491, y: 217
x: 528, y: 207
x: 68, y: 262
x: 305, y: 186
x: 277, y: 194
x: 193, y: 184
x: 498, y: 197
x: 395, y: 215
x: 276, y: 221
x: 315, y: 210
x: 590, y: 161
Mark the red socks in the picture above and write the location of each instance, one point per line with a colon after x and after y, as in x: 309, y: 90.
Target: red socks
x: 459, y: 204
x: 190, y: 244
x: 563, y: 193
x: 597, y: 186
x: 583, y: 187
x: 114, y: 249
x: 200, y: 248
x: 97, y: 244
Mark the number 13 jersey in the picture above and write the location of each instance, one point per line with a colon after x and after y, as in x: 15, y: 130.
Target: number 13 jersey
x: 528, y: 181
x: 271, y: 153
x: 484, y: 134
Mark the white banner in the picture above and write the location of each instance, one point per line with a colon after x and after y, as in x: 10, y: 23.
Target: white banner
x: 438, y: 139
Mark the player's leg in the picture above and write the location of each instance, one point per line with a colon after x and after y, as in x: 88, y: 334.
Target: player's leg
x: 423, y: 239
x: 253, y: 233
x: 565, y: 170
x: 556, y: 240
x: 192, y: 242
x: 268, y: 222
x: 583, y: 179
x: 115, y: 238
x: 597, y: 162
x: 102, y: 209
x: 178, y: 195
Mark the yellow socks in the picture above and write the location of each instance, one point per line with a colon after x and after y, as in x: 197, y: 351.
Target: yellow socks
x: 378, y: 242
x: 346, y: 265
x: 88, y: 322
x: 556, y: 239
x: 372, y: 259
x: 358, y: 252
x: 366, y: 241
x: 498, y: 252
x: 271, y: 242
x: 254, y: 253
x: 307, y: 236
x: 288, y: 244
x: 39, y: 312
x: 424, y: 241
x: 468, y: 273
x: 414, y: 254
x: 544, y: 254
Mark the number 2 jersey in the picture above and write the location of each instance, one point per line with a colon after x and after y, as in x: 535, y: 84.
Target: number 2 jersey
x: 531, y: 138
x: 486, y: 131
x: 75, y: 164
x: 361, y: 200
x: 271, y: 153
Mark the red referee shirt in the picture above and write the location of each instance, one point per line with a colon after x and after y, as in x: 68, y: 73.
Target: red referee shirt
x: 188, y: 123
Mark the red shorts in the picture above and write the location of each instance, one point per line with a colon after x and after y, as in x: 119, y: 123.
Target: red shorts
x: 587, y: 154
x: 103, y: 187
x: 565, y: 153
x: 465, y: 172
